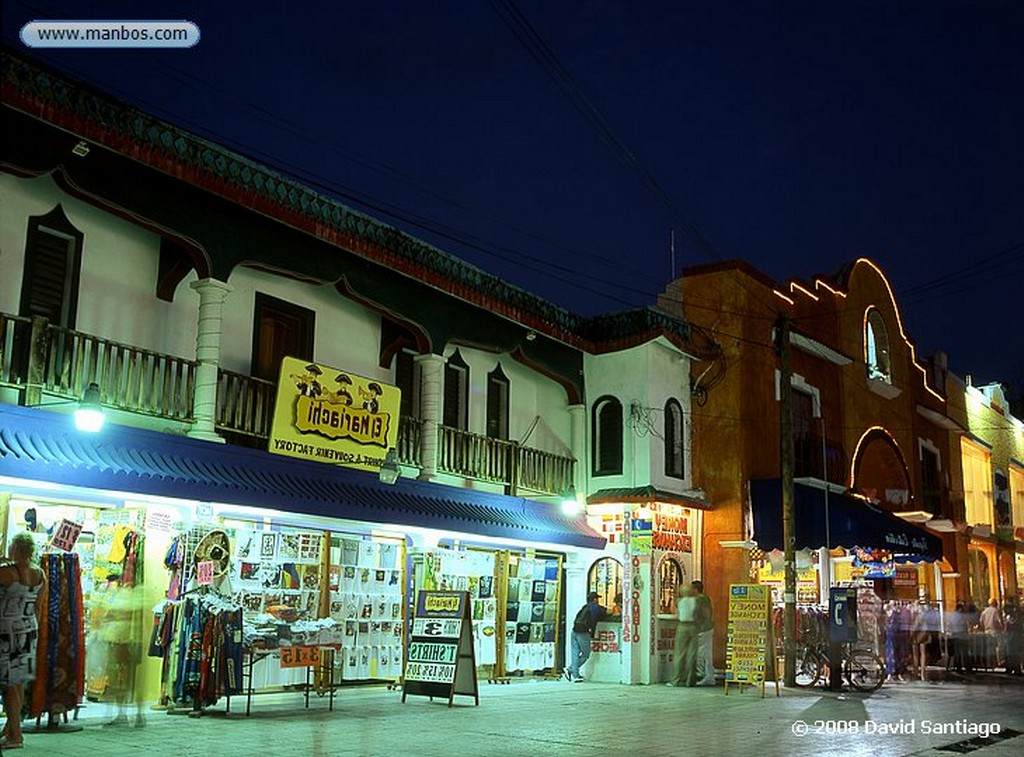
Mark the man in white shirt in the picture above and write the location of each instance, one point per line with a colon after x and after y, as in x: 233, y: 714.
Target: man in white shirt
x: 992, y: 626
x: 686, y: 639
x: 705, y: 636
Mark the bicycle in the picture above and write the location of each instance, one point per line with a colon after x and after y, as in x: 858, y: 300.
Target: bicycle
x: 862, y: 668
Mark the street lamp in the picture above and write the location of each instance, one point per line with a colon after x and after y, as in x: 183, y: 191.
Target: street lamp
x: 89, y: 416
x: 570, y: 505
x: 389, y: 471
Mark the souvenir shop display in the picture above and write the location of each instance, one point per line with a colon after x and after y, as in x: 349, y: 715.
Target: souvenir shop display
x: 531, y: 613
x: 201, y: 637
x: 474, y: 572
x: 365, y: 599
x: 198, y: 630
x: 118, y: 618
x: 514, y: 604
x: 59, y: 685
x: 277, y: 574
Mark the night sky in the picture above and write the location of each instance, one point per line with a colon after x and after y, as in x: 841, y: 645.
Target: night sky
x: 556, y: 144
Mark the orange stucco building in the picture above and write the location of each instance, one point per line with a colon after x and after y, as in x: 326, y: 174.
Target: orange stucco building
x: 872, y: 424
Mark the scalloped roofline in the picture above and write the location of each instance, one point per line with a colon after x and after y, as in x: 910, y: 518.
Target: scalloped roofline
x: 67, y: 103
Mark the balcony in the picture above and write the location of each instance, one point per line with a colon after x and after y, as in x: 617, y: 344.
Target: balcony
x: 823, y: 461
x: 499, y: 461
x: 38, y: 358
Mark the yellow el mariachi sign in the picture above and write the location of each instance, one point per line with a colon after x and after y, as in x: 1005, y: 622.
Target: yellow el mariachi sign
x: 331, y: 416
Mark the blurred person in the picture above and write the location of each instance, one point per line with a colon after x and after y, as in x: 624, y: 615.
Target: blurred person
x: 616, y: 606
x: 20, y: 584
x: 923, y: 627
x: 117, y: 648
x: 705, y: 636
x: 974, y: 638
x: 686, y: 638
x: 956, y: 635
x: 1014, y: 637
x: 992, y: 626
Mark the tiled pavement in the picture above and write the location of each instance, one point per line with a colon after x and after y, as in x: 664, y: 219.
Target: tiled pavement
x: 557, y: 717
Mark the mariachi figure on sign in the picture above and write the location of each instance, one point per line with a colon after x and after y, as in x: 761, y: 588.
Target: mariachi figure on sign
x: 308, y: 383
x: 370, y: 395
x: 343, y: 396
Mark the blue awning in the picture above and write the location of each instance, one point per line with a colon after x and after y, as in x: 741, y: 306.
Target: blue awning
x: 852, y: 522
x: 44, y: 446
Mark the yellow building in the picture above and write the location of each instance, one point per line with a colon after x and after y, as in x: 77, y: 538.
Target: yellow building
x: 993, y: 469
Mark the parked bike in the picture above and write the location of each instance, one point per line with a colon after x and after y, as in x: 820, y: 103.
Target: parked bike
x: 862, y: 668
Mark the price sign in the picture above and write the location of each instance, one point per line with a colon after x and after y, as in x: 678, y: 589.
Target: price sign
x: 65, y: 535
x: 441, y: 660
x: 204, y: 573
x: 159, y: 521
x: 300, y: 657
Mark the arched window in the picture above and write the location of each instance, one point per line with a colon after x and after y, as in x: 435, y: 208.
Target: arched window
x: 978, y: 579
x: 456, y: 392
x: 607, y: 425
x: 876, y: 347
x: 674, y: 439
x: 605, y: 577
x: 497, y: 404
x: 670, y: 578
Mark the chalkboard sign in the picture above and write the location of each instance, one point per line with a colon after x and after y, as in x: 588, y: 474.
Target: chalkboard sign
x: 440, y: 660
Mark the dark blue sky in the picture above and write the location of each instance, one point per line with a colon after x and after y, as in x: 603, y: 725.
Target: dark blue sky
x: 796, y: 135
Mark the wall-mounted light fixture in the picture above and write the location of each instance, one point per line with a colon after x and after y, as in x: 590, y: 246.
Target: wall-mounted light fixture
x: 570, y: 504
x: 389, y: 471
x: 89, y: 416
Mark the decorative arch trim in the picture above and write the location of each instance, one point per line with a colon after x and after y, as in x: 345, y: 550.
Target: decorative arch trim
x: 877, y: 433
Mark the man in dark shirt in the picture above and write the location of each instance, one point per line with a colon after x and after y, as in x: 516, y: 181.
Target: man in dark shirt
x: 583, y: 628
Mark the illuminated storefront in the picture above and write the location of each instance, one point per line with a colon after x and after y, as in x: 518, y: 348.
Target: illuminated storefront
x: 328, y: 554
x: 652, y: 551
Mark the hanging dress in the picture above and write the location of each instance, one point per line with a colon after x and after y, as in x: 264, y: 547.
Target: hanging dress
x: 19, y: 633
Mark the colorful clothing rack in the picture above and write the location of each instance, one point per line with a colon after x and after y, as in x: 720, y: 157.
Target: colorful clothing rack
x: 60, y: 678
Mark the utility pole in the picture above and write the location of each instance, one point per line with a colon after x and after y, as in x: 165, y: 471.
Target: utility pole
x: 788, y: 512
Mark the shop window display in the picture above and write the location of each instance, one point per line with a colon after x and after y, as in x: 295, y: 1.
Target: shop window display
x: 670, y: 578
x: 531, y: 614
x: 273, y: 570
x: 978, y: 576
x: 366, y: 586
x: 60, y: 647
x: 514, y: 601
x: 605, y: 578
x: 198, y: 630
x: 474, y: 572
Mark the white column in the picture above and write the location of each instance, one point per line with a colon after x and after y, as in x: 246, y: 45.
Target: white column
x: 824, y: 575
x: 578, y: 443
x: 431, y: 402
x: 204, y: 402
